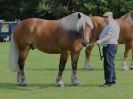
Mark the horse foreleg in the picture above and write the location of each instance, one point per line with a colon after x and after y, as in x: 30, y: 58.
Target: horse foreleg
x: 87, y: 64
x: 74, y: 59
x: 21, y: 80
x: 63, y: 60
x: 124, y: 62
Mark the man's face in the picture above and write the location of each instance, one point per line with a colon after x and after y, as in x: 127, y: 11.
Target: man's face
x: 106, y: 18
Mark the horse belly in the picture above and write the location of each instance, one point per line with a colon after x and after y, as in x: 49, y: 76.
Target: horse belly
x: 121, y: 40
x: 50, y: 51
x: 48, y: 47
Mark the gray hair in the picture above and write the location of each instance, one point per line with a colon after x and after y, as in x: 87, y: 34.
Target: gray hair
x: 75, y: 21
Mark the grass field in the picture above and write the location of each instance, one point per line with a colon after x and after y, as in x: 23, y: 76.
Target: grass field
x: 41, y: 70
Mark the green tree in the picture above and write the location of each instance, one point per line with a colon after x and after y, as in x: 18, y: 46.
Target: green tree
x: 53, y: 9
x: 9, y: 9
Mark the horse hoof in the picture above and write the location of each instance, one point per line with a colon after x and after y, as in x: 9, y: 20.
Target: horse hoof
x: 89, y: 68
x: 131, y: 68
x: 75, y: 82
x: 22, y: 85
x: 60, y: 83
x: 124, y: 68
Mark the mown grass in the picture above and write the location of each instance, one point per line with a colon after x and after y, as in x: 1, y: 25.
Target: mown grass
x: 41, y: 70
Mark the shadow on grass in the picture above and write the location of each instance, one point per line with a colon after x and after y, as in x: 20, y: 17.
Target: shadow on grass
x: 45, y: 69
x: 14, y: 86
x: 11, y: 86
x: 82, y: 85
x: 95, y: 69
x: 43, y: 86
x: 56, y: 69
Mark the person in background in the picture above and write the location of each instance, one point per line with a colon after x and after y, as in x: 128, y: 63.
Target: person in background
x: 109, y: 40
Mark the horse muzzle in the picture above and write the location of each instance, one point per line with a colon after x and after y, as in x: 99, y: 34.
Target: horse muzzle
x: 85, y: 44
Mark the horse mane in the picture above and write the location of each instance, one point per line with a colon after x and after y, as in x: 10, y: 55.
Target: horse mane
x: 75, y: 21
x: 129, y: 17
x: 98, y: 24
x: 126, y: 15
x: 84, y: 20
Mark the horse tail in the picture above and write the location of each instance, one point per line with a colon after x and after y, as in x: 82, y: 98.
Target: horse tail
x: 13, y: 55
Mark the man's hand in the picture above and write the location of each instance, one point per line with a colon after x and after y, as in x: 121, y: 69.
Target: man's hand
x: 106, y: 38
x: 98, y: 42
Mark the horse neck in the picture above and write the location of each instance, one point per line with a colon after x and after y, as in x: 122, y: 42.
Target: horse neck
x: 98, y: 23
x: 68, y: 23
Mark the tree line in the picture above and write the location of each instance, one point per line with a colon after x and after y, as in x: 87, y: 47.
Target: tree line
x: 54, y: 9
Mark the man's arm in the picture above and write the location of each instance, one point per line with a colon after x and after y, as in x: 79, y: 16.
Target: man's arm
x: 106, y: 38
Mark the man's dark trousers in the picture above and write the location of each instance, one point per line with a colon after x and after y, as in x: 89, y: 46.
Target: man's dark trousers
x: 109, y: 67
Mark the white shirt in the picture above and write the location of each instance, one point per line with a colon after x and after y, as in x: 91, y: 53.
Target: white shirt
x: 112, y: 29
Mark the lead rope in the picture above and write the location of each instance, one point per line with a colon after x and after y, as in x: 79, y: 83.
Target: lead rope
x: 99, y: 48
x: 84, y: 27
x: 100, y: 52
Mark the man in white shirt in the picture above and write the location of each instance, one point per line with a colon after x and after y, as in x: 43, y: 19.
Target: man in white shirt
x: 108, y: 39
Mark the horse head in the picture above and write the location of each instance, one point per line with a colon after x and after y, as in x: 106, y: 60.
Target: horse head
x: 78, y: 23
x: 84, y: 26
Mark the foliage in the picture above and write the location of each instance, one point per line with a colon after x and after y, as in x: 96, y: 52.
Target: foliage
x: 53, y: 9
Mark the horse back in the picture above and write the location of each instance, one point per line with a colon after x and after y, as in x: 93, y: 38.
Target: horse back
x: 35, y: 30
x: 45, y: 35
x: 126, y: 30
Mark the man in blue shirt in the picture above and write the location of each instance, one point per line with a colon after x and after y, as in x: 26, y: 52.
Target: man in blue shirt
x: 108, y: 39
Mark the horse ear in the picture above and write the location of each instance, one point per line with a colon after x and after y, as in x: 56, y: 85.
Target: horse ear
x: 90, y: 15
x: 79, y: 16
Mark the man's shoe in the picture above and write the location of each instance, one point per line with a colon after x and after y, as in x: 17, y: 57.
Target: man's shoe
x: 105, y: 85
x: 113, y: 82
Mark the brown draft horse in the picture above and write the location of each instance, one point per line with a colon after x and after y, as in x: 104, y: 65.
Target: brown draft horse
x: 126, y: 37
x: 64, y: 36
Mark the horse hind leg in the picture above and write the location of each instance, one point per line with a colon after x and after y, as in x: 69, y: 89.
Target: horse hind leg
x: 74, y: 59
x: 87, y: 64
x: 21, y: 80
x: 131, y: 65
x: 63, y: 60
x: 124, y: 62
